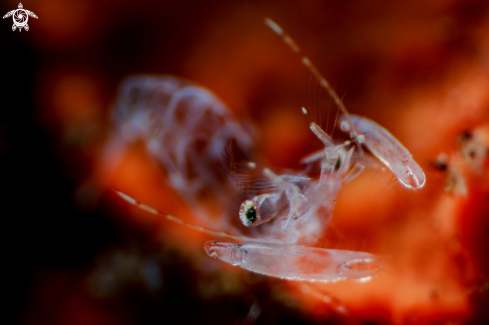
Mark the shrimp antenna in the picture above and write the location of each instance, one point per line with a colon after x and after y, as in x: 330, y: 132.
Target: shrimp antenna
x: 307, y: 62
x: 310, y: 66
x: 191, y: 225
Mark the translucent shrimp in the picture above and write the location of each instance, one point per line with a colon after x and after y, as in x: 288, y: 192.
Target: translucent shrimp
x: 295, y: 196
x: 172, y: 117
x: 379, y: 141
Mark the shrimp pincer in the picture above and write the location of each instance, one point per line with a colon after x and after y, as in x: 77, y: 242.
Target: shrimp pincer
x: 296, y: 262
x: 383, y: 145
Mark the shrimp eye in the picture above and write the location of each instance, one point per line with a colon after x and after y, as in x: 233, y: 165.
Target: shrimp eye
x: 251, y: 214
x: 248, y: 213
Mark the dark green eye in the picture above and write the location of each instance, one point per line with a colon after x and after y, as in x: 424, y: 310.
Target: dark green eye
x: 251, y: 214
x: 248, y: 213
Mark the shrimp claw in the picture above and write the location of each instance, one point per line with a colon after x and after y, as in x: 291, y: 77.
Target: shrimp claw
x: 383, y: 145
x: 295, y: 262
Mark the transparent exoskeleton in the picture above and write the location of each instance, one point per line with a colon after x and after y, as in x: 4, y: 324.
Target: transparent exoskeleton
x: 188, y: 130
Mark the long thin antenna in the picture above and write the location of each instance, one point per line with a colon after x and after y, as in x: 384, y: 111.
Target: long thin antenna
x: 308, y: 64
x: 191, y: 225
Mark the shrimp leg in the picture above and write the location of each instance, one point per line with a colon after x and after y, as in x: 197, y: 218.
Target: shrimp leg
x: 295, y: 262
x: 387, y: 149
x: 298, y: 203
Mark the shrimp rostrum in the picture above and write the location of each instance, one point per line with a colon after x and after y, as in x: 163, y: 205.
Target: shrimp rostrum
x: 284, y: 214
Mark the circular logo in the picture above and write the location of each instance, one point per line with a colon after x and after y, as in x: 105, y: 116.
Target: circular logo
x: 20, y: 17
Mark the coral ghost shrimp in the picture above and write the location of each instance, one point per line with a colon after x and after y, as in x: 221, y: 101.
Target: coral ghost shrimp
x: 208, y: 157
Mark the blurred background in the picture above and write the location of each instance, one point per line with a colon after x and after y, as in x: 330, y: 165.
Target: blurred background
x: 420, y: 69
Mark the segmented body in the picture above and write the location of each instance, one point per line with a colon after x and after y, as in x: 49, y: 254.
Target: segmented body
x: 183, y: 125
x: 186, y: 128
